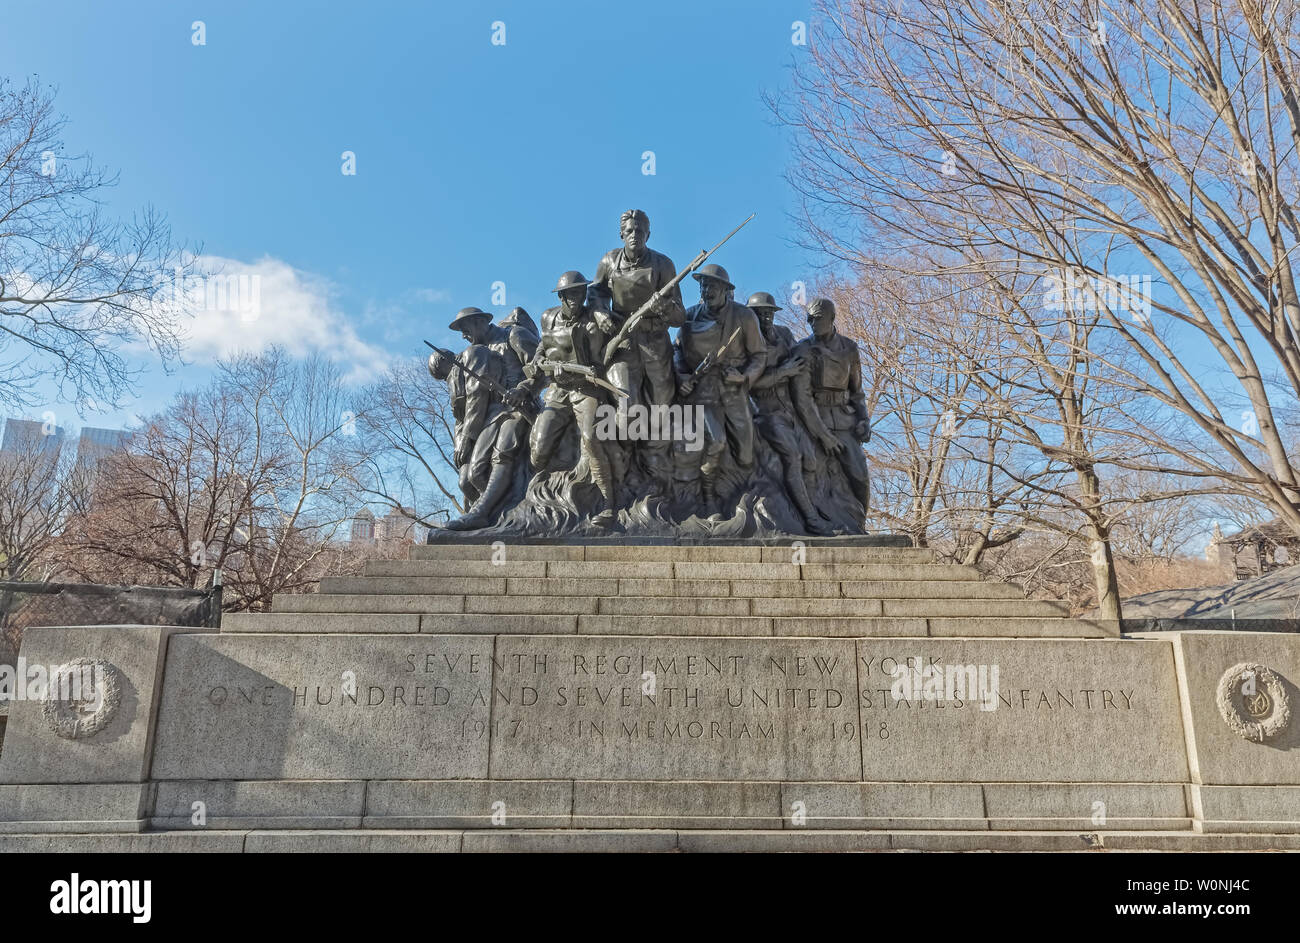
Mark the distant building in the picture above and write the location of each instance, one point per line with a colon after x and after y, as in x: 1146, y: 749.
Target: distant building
x: 1255, y: 550
x: 1215, y: 551
x: 95, y: 443
x: 27, y: 435
x: 400, y: 524
x: 397, y: 524
x: 363, y: 527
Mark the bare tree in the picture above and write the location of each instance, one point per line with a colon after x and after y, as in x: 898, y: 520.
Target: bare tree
x: 250, y: 475
x: 41, y: 486
x: 1019, y: 141
x: 404, y: 444
x: 997, y: 419
x: 75, y: 286
x: 305, y: 497
x: 173, y: 507
x: 927, y: 416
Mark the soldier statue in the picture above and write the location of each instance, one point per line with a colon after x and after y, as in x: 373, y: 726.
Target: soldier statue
x: 832, y: 404
x: 490, y: 433
x: 755, y: 396
x: 774, y: 408
x: 522, y: 333
x: 642, y: 364
x: 568, y: 360
x: 720, y: 352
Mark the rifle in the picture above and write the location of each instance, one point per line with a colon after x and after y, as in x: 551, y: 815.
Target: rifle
x: 487, y: 381
x: 710, y: 361
x: 635, y: 317
x: 551, y: 366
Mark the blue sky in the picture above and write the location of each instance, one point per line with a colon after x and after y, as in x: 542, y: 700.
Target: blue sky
x: 475, y: 162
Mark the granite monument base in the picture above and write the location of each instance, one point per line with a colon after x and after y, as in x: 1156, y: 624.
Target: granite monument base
x: 824, y: 695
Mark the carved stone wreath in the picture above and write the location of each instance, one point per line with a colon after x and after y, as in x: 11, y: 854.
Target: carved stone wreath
x: 86, y: 715
x: 1257, y: 716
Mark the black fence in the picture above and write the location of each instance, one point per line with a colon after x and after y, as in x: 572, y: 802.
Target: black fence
x: 25, y: 604
x: 1130, y: 626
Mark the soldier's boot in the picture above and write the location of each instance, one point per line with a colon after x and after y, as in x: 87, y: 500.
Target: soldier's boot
x: 480, y: 515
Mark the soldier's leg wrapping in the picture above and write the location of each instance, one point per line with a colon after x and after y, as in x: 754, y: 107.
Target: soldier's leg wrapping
x: 780, y: 432
x: 498, y: 486
x: 469, y: 493
x: 495, y: 481
x: 584, y: 410
x: 715, y: 443
x: 740, y: 424
x: 480, y: 459
x: 548, y: 430
x: 492, y: 470
x: 505, y: 453
x: 625, y: 373
x: 854, y: 461
x: 659, y: 388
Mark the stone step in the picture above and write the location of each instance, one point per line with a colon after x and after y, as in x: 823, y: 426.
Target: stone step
x: 641, y: 553
x: 1085, y: 839
x: 394, y: 572
x: 531, y: 578
x: 594, y: 623
x: 965, y: 627
x: 430, y: 585
x: 670, y: 589
x: 325, y: 623
x: 703, y: 605
x: 979, y: 608
x: 763, y: 606
x: 689, y: 804
x: 614, y: 604
x: 456, y: 568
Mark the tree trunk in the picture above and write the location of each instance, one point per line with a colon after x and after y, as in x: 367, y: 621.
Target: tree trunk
x: 1103, y: 574
x: 975, y: 551
x: 1103, y: 559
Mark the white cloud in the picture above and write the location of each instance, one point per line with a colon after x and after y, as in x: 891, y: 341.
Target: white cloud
x: 391, y: 318
x: 248, y: 307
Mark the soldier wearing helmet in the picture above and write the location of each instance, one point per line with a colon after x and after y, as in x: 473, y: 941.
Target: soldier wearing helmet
x: 832, y: 404
x: 490, y: 433
x: 572, y: 333
x: 522, y: 333
x: 719, y: 353
x: 774, y: 408
x: 625, y: 279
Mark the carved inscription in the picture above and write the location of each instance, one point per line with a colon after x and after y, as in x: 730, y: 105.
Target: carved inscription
x: 1052, y: 711
x: 660, y: 708
x: 324, y: 707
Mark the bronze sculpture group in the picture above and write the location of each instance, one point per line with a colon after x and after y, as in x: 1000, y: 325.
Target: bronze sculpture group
x: 733, y: 428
